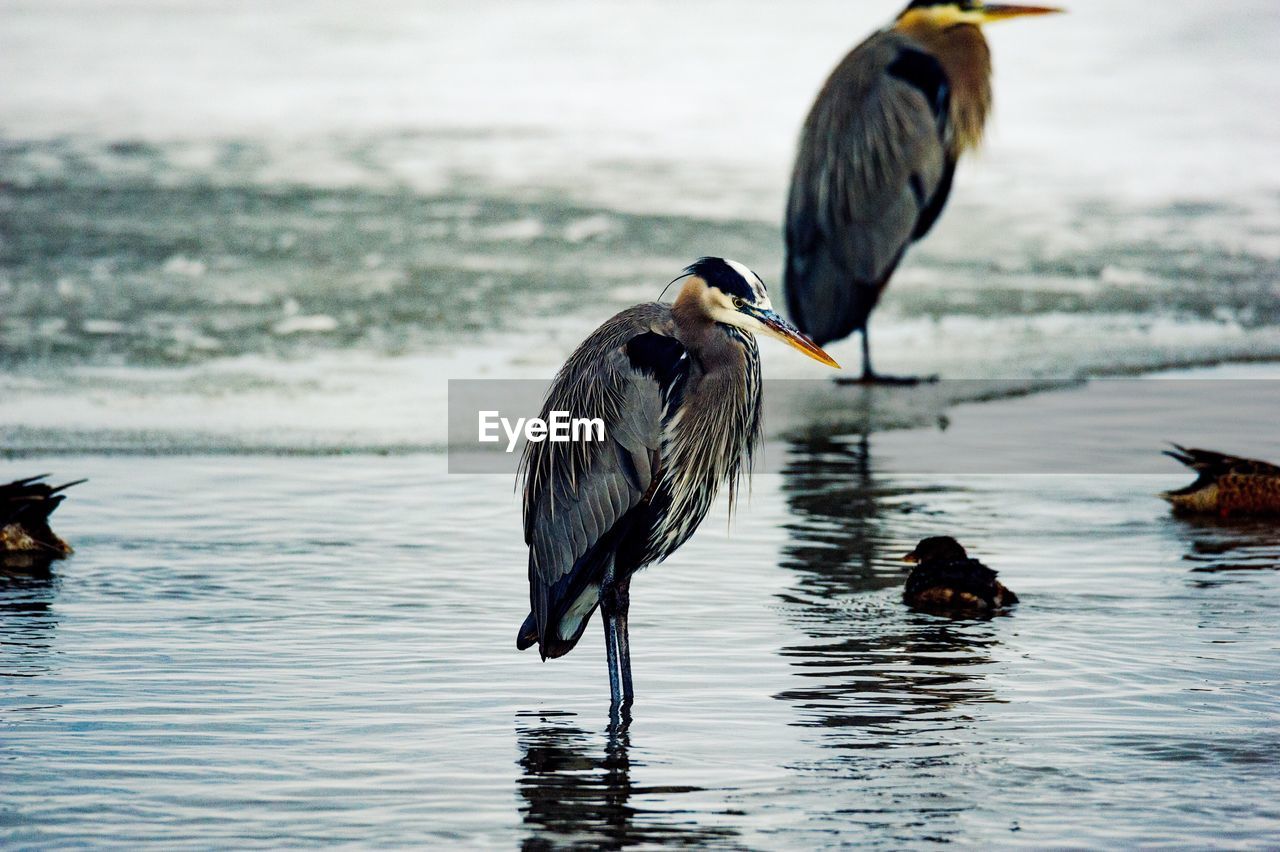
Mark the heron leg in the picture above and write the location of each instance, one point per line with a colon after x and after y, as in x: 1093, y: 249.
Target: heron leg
x: 871, y: 377
x: 611, y: 653
x: 867, y: 371
x: 622, y: 602
x: 615, y: 600
x: 610, y: 617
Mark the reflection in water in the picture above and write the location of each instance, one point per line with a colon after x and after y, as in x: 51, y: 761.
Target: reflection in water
x: 579, y: 795
x: 847, y: 527
x: 873, y: 662
x: 893, y: 679
x: 27, y: 592
x: 1215, y: 546
x: 875, y: 676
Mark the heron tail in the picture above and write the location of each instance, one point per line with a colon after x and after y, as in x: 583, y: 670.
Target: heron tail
x: 556, y: 644
x: 528, y: 635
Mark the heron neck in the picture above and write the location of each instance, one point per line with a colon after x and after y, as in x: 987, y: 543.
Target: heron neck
x: 712, y: 436
x: 962, y: 50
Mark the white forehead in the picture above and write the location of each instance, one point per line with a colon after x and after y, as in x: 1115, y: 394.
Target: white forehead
x: 757, y: 286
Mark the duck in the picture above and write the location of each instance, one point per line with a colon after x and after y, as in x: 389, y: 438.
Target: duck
x: 25, y: 507
x: 1226, y: 485
x: 947, y: 580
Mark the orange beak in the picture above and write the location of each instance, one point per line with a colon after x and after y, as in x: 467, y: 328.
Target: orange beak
x: 993, y: 12
x: 795, y: 338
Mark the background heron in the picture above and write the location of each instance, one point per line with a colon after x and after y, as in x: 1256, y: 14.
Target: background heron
x: 678, y: 388
x: 876, y: 159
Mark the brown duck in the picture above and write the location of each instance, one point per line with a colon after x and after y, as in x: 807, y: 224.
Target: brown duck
x: 947, y: 581
x: 1226, y: 485
x: 25, y: 507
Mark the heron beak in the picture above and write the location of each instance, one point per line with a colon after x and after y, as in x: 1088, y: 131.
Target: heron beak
x: 793, y: 337
x: 993, y: 12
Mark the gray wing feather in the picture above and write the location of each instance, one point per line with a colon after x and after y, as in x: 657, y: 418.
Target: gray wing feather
x: 574, y: 493
x: 871, y: 157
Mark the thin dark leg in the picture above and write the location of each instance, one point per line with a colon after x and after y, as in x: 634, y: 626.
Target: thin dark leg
x: 867, y: 371
x: 615, y: 600
x: 622, y: 604
x: 609, y: 612
x: 611, y: 653
x: 871, y: 377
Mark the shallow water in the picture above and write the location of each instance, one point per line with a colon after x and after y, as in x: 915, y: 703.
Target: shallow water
x: 249, y: 651
x: 241, y: 251
x: 225, y: 229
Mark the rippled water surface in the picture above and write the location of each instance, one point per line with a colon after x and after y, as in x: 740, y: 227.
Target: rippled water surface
x: 243, y: 247
x: 225, y: 227
x: 253, y: 651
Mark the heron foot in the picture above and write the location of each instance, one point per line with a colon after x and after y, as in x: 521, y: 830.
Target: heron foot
x: 872, y: 378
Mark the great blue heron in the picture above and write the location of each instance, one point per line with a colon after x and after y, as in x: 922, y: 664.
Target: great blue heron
x: 876, y: 159
x: 25, y: 507
x: 678, y: 389
x: 947, y: 580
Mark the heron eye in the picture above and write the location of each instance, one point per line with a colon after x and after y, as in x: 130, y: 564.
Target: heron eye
x: 738, y: 302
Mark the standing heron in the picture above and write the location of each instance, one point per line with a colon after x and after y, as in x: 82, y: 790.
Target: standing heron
x: 876, y: 158
x: 678, y: 389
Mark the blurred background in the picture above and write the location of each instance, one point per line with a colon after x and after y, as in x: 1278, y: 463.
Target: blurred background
x: 237, y: 226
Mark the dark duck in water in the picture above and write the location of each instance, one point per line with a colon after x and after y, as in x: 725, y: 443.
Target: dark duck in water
x: 947, y: 581
x: 25, y: 535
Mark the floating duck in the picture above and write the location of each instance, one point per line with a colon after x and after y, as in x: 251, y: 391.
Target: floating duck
x: 1226, y: 485
x: 25, y: 507
x: 946, y: 580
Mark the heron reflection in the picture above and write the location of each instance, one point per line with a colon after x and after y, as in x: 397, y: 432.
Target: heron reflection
x: 578, y: 792
x: 847, y: 526
x: 868, y: 662
x: 890, y: 693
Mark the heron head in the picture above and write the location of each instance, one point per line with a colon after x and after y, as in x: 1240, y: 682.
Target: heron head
x: 727, y: 292
x: 936, y: 547
x: 946, y: 13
